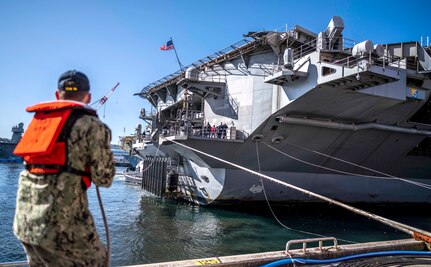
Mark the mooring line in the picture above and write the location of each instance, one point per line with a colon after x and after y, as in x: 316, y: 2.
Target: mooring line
x: 389, y: 177
x: 414, y: 232
x: 428, y: 186
x: 332, y: 157
x: 273, y: 213
x: 105, y: 222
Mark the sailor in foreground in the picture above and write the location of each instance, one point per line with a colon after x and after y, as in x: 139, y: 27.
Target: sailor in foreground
x: 65, y: 148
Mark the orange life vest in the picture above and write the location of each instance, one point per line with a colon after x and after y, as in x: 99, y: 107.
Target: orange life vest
x: 44, y: 144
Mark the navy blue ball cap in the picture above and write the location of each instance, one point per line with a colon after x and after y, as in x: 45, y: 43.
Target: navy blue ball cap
x: 73, y: 81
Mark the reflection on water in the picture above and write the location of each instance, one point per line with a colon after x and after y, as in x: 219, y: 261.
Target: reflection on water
x: 146, y: 229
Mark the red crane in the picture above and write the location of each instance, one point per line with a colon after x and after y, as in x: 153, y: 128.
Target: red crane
x: 99, y: 103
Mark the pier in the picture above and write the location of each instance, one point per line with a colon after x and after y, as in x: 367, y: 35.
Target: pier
x: 318, y: 253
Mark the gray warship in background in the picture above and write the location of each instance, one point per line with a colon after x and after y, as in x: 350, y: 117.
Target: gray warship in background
x: 347, y: 120
x: 7, y: 146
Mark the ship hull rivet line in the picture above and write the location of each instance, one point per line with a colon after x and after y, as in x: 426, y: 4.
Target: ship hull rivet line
x: 415, y: 233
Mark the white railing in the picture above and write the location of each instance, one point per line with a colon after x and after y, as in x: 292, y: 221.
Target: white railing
x: 385, y: 61
x: 206, y: 133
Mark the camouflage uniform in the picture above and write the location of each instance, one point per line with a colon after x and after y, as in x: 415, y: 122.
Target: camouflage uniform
x: 52, y: 218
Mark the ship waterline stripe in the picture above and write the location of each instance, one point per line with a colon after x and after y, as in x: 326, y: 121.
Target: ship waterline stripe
x: 416, y: 233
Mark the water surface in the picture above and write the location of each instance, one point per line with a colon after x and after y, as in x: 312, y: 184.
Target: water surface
x: 146, y: 229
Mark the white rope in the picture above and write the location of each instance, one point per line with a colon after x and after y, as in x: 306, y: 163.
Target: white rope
x: 291, y: 259
x: 345, y: 161
x: 390, y: 177
x: 363, y: 167
x: 273, y: 213
x: 154, y: 159
x: 412, y: 231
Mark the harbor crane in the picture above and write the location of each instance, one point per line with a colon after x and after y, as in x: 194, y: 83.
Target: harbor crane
x: 99, y: 103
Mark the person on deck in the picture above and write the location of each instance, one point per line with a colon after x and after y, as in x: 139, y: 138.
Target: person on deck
x: 207, y: 130
x: 65, y: 148
x: 213, y: 131
x: 219, y: 130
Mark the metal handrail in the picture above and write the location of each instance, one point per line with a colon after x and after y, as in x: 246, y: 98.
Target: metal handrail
x: 311, y: 46
x: 383, y: 61
x: 233, y: 104
x: 309, y: 240
x: 184, y: 131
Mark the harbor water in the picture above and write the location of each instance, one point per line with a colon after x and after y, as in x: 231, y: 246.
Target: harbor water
x: 147, y: 229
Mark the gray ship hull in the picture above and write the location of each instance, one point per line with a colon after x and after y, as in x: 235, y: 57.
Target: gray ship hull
x: 371, y: 164
x: 347, y: 120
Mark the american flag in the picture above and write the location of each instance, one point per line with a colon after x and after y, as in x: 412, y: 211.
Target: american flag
x: 168, y: 46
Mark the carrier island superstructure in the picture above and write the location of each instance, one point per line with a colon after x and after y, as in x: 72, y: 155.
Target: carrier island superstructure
x: 347, y: 120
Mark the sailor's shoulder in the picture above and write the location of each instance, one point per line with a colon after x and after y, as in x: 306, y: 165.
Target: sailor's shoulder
x: 89, y: 122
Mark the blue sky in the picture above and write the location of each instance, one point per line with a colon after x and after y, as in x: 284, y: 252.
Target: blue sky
x: 118, y: 41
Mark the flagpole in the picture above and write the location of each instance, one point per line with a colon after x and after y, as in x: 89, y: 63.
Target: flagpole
x: 179, y: 62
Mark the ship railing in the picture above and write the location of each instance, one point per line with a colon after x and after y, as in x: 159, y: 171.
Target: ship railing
x: 229, y: 133
x: 311, y: 46
x: 386, y: 61
x: 233, y: 104
x: 348, y: 43
x: 305, y: 49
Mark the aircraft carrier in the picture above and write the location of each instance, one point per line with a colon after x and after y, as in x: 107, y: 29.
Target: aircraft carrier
x: 346, y: 119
